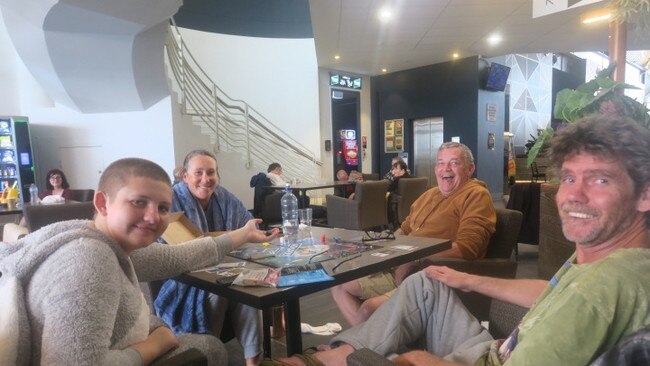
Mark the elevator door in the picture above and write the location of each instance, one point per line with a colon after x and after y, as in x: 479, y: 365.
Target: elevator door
x: 427, y: 137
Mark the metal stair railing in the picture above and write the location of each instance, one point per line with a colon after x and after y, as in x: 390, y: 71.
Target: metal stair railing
x: 232, y: 124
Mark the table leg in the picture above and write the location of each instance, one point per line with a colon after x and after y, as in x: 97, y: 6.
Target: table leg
x: 292, y: 324
x: 266, y: 330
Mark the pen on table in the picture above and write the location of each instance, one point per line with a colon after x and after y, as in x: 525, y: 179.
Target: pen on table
x: 345, y: 260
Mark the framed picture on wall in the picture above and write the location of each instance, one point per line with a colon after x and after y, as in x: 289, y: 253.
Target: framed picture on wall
x: 393, y: 135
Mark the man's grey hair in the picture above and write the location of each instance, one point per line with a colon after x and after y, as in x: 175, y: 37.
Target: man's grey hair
x: 467, y: 153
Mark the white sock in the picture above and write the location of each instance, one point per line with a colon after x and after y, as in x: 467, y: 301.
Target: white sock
x: 325, y: 330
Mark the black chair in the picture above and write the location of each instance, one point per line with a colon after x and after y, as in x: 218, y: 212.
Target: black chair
x: 535, y: 172
x: 266, y: 201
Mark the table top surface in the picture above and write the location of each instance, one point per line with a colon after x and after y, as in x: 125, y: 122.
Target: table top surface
x: 5, y: 211
x: 393, y: 253
x: 309, y: 186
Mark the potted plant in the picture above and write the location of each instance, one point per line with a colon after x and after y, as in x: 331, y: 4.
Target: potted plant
x: 600, y: 95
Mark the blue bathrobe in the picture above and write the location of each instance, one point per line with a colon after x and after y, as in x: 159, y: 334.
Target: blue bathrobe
x: 183, y: 306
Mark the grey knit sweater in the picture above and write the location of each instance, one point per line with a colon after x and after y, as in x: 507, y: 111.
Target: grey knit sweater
x: 81, y: 291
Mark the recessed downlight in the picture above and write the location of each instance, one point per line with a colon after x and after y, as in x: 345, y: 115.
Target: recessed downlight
x: 494, y: 39
x: 385, y: 14
x: 336, y: 57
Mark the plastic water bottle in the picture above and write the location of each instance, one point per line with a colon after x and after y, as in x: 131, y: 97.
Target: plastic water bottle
x: 289, y: 204
x: 33, y: 194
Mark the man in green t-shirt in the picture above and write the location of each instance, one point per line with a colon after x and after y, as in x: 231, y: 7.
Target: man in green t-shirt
x: 598, y: 297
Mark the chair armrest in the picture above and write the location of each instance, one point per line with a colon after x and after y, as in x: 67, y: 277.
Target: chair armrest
x: 12, y: 232
x: 477, y: 304
x: 366, y: 357
x: 504, y: 317
x: 492, y: 267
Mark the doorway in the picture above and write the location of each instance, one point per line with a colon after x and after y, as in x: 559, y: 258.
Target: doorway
x: 345, y: 116
x: 427, y: 138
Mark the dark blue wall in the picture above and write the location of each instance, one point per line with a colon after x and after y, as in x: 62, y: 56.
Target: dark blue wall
x: 449, y: 90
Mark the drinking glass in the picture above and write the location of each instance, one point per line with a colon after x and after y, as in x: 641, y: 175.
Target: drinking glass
x: 305, y: 216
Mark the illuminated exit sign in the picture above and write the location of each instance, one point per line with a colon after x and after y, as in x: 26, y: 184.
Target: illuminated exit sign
x: 345, y: 81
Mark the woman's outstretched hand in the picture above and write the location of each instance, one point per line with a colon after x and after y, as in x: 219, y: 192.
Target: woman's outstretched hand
x: 249, y: 233
x: 259, y: 236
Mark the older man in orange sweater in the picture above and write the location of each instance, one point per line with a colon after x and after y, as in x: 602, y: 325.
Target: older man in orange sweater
x: 459, y: 209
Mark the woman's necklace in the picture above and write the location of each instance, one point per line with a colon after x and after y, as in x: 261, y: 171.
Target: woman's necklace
x: 427, y: 216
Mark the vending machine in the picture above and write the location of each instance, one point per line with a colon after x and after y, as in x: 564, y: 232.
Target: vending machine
x: 349, y: 149
x: 16, y: 159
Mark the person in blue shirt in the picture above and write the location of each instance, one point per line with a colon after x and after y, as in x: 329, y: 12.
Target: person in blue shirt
x: 211, y: 208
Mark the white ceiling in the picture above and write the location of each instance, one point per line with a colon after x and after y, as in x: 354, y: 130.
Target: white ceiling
x: 424, y: 32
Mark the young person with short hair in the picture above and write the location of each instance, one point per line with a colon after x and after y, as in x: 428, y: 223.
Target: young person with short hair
x: 80, y: 279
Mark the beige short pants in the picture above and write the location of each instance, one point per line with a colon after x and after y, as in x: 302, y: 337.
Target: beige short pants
x: 381, y: 283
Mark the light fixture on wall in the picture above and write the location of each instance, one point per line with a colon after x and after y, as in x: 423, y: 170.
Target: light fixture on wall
x: 596, y: 16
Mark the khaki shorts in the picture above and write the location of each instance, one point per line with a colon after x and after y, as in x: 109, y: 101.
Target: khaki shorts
x: 382, y: 283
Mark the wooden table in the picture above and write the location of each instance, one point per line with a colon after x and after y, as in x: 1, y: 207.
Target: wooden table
x: 302, y: 188
x: 350, y: 269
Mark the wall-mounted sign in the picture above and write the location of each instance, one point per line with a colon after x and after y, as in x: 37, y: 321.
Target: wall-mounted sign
x: 345, y: 81
x: 393, y: 135
x: 545, y: 7
x: 491, y: 112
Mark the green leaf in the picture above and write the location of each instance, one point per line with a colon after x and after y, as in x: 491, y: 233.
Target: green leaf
x: 540, y: 144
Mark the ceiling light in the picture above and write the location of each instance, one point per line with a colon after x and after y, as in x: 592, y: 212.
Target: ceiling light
x: 336, y: 57
x: 596, y: 16
x: 384, y: 70
x: 455, y: 55
x: 494, y: 39
x: 385, y: 14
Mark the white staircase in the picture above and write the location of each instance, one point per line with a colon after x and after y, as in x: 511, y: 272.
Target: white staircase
x: 231, y: 124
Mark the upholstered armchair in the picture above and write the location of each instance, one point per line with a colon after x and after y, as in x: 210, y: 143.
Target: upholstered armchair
x: 366, y: 211
x: 37, y: 216
x: 408, y: 190
x: 496, y: 263
x: 83, y: 195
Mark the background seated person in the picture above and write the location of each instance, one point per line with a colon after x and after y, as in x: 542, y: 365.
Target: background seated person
x: 56, y: 184
x: 394, y: 160
x: 596, y: 299
x: 459, y: 209
x: 274, y: 173
x: 210, y: 207
x: 343, y: 176
x: 399, y: 170
x: 80, y: 279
